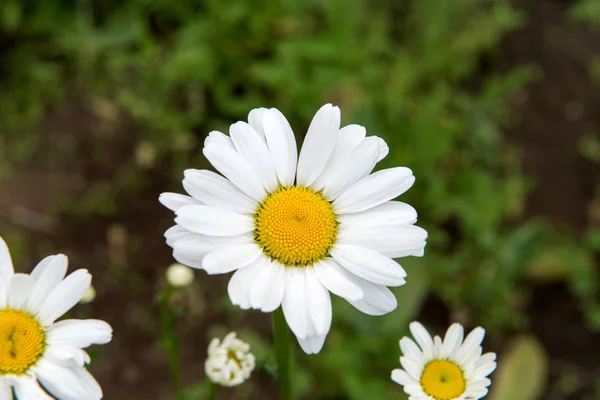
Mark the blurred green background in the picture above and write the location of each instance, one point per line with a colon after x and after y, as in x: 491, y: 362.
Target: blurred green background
x: 494, y: 105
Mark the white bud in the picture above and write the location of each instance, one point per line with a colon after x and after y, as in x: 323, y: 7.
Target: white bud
x: 88, y: 296
x: 230, y: 362
x: 179, y: 275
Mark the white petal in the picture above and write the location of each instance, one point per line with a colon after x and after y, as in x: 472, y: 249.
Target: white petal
x: 65, y: 296
x: 415, y: 390
x: 348, y: 138
x: 4, y: 284
x: 19, y: 290
x: 6, y: 265
x: 266, y: 293
x: 191, y: 249
x: 384, y: 150
x: 6, y: 390
x: 359, y: 163
x: 256, y: 118
x: 213, y: 221
x: 254, y: 149
x: 47, y: 275
x: 480, y: 383
x: 74, y: 383
x: 377, y: 299
x: 282, y: 145
x: 318, y: 302
x: 176, y: 232
x: 214, y: 190
x: 312, y: 344
x: 477, y: 393
x: 411, y: 367
x: 79, y: 333
x: 388, y: 213
x: 67, y: 355
x: 26, y: 388
x: 235, y: 168
x: 402, y: 377
x: 318, y: 144
x: 423, y: 338
x: 374, y: 190
x: 227, y: 259
x: 240, y: 285
x: 485, y: 365
x: 294, y: 303
x: 437, y: 346
x: 452, y: 340
x: 391, y: 240
x: 337, y: 279
x: 472, y: 341
x: 174, y: 201
x: 409, y: 348
x: 216, y: 137
x: 468, y: 361
x: 369, y: 265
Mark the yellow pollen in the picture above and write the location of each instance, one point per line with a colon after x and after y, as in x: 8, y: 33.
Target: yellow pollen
x: 443, y: 380
x: 295, y: 225
x: 22, y: 342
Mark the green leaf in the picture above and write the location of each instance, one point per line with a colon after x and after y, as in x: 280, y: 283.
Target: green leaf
x: 522, y: 372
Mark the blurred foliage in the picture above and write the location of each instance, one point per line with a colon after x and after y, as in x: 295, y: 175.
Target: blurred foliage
x: 523, y: 372
x: 412, y: 72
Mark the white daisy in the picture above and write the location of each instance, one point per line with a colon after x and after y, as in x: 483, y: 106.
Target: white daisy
x: 451, y: 369
x: 295, y: 228
x: 40, y: 358
x: 229, y: 363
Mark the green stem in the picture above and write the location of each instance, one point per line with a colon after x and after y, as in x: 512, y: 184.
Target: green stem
x: 170, y: 340
x: 281, y: 334
x: 213, y: 390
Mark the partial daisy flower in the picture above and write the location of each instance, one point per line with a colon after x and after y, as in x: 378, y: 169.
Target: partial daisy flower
x: 451, y: 369
x: 179, y: 275
x: 294, y: 228
x: 39, y: 357
x: 229, y: 363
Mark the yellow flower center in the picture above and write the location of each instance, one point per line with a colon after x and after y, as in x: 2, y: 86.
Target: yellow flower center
x: 295, y: 225
x: 22, y: 342
x: 443, y: 380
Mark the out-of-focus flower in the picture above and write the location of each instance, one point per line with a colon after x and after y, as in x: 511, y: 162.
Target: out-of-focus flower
x: 296, y: 227
x: 145, y: 154
x: 451, y: 369
x: 230, y: 362
x: 35, y: 350
x: 179, y: 275
x: 89, y: 295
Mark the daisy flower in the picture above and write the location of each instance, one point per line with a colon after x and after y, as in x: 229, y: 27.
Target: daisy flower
x: 296, y: 227
x: 40, y: 358
x: 230, y: 362
x: 451, y: 369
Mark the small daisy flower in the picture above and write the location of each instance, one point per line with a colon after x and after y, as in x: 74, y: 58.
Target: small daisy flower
x: 230, y: 362
x: 39, y: 357
x: 451, y: 369
x: 179, y: 275
x: 296, y: 227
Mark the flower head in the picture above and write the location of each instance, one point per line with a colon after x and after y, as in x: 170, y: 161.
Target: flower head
x: 296, y: 227
x: 229, y: 363
x: 449, y: 369
x: 179, y: 275
x: 36, y: 351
